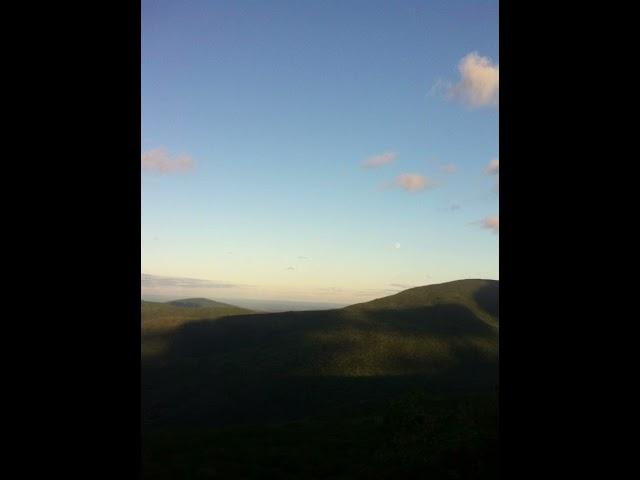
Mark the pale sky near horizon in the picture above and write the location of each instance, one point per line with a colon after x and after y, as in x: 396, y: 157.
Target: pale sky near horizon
x: 332, y: 151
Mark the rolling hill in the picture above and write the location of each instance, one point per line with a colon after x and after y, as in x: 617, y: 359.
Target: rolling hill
x: 399, y: 387
x: 480, y: 297
x: 229, y: 366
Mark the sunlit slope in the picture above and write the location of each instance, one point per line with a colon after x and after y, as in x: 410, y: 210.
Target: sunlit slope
x: 480, y: 297
x: 442, y: 335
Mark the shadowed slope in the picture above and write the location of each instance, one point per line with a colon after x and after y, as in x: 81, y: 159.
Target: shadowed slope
x: 160, y: 320
x: 294, y: 364
x: 157, y: 315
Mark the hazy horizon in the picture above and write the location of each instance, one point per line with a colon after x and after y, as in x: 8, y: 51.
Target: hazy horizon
x: 166, y: 289
x: 270, y: 306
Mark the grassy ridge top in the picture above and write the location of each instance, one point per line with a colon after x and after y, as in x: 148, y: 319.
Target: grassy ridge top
x: 480, y: 296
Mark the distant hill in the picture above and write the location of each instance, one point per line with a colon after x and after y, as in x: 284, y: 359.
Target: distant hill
x: 156, y: 313
x: 160, y: 321
x: 198, y: 303
x: 233, y: 367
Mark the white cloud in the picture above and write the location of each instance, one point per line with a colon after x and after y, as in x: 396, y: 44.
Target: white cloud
x: 491, y: 223
x: 153, y: 281
x: 479, y: 83
x: 379, y: 160
x: 413, y: 182
x: 494, y: 167
x: 159, y: 160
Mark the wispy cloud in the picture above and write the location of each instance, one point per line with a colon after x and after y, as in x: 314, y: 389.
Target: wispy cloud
x: 331, y: 290
x: 493, y: 167
x: 413, y: 182
x: 491, y: 223
x: 290, y: 268
x: 379, y: 160
x: 159, y: 160
x: 151, y: 281
x: 450, y: 168
x: 401, y: 285
x: 439, y: 88
x: 479, y: 83
x: 451, y: 207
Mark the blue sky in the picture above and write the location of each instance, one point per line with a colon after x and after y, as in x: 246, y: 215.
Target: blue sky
x: 259, y: 119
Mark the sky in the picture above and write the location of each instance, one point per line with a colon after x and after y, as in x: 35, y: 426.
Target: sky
x: 328, y: 151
